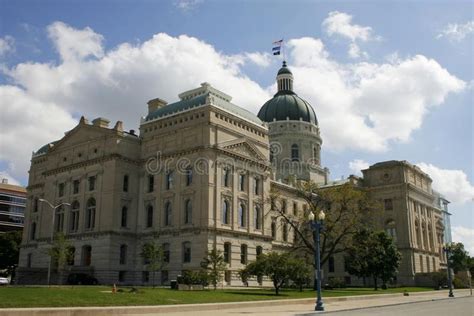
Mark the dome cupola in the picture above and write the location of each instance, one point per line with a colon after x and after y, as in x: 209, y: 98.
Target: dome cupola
x: 286, y: 104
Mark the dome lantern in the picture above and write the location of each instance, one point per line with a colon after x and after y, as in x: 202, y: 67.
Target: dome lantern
x: 284, y: 79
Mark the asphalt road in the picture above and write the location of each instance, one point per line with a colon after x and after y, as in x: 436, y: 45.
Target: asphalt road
x: 463, y: 306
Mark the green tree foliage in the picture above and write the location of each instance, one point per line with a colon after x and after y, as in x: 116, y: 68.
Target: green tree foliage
x: 154, y: 258
x: 9, y: 250
x: 300, y: 272
x: 61, y: 253
x: 458, y: 257
x: 373, y: 254
x: 348, y: 210
x: 215, y: 265
x: 277, y: 266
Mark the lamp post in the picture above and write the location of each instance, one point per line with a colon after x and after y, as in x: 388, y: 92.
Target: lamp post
x: 54, y: 208
x: 450, y: 276
x: 316, y: 227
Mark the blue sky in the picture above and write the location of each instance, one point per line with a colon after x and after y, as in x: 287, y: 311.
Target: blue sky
x: 387, y: 81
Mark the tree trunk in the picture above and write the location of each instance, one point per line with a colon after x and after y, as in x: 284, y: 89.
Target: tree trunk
x: 375, y: 283
x: 301, y: 287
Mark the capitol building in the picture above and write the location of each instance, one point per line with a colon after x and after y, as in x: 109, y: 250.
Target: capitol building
x: 198, y: 175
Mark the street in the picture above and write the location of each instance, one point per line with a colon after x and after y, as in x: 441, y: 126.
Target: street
x: 458, y: 306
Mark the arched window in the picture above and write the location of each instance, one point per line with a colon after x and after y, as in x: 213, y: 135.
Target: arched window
x: 149, y: 216
x: 242, y: 215
x: 186, y: 251
x: 258, y: 217
x: 90, y: 214
x: 243, y: 254
x: 242, y: 182
x: 189, y: 176
x: 123, y: 254
x: 74, y: 218
x: 33, y: 231
x: 169, y: 180
x: 188, y: 212
x: 295, y: 153
x: 168, y: 210
x: 124, y: 217
x: 226, y: 212
x: 391, y: 229
x: 35, y: 204
x: 256, y: 185
x: 226, y: 179
x: 227, y: 252
x: 59, y: 219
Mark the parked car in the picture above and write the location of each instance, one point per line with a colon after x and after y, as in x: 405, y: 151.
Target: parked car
x: 4, y: 281
x: 81, y: 279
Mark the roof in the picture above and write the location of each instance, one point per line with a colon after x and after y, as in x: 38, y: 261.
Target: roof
x: 200, y: 97
x: 287, y: 105
x: 19, y: 190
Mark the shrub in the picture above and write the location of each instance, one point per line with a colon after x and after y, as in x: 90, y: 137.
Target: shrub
x: 336, y: 283
x: 193, y: 278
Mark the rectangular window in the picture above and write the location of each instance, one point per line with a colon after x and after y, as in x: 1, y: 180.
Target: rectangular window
x: 151, y: 183
x: 123, y: 254
x: 125, y: 183
x: 295, y: 208
x: 61, y: 189
x: 123, y: 222
x: 388, y: 204
x: 92, y: 183
x: 227, y: 249
x: 75, y: 186
x: 145, y: 276
x: 257, y: 186
x: 186, y: 252
x: 242, y: 182
x: 331, y: 265
x: 122, y: 275
x: 29, y: 257
x: 166, y: 253
x: 164, y: 276
x: 243, y: 254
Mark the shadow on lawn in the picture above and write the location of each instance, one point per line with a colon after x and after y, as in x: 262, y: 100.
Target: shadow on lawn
x: 270, y: 294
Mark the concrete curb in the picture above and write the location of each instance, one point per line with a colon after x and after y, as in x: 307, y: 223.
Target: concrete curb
x: 124, y: 310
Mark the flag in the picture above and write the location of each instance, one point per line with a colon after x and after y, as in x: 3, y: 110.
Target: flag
x: 277, y: 47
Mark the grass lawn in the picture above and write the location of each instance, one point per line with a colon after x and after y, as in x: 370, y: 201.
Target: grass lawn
x: 100, y: 296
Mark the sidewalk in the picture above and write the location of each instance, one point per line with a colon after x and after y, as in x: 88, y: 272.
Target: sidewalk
x: 260, y: 308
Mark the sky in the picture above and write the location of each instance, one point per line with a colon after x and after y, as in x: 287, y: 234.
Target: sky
x: 388, y: 81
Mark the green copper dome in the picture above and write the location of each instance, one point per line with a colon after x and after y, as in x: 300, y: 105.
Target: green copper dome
x: 286, y: 104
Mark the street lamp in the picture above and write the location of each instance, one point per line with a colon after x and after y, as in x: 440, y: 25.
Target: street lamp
x: 317, y: 226
x: 447, y: 250
x: 54, y: 208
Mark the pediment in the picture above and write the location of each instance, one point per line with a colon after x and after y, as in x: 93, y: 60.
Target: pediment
x: 243, y: 148
x: 80, y: 134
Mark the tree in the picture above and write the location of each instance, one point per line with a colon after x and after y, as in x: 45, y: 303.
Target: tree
x: 9, y: 250
x: 458, y: 257
x: 215, y: 265
x: 348, y: 210
x: 277, y: 266
x: 373, y: 254
x: 61, y: 253
x: 153, y: 255
x: 300, y: 272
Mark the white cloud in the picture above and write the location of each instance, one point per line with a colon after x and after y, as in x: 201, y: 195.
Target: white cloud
x: 7, y: 45
x: 10, y: 179
x: 27, y: 123
x: 357, y: 165
x: 340, y: 24
x: 464, y: 235
x: 361, y: 106
x: 259, y: 59
x: 73, y: 44
x: 457, y: 32
x: 368, y: 105
x: 453, y: 184
x: 186, y: 5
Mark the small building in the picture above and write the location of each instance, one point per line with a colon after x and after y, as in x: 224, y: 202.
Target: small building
x: 12, y: 206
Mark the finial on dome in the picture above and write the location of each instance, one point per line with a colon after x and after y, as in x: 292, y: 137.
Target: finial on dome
x: 284, y: 63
